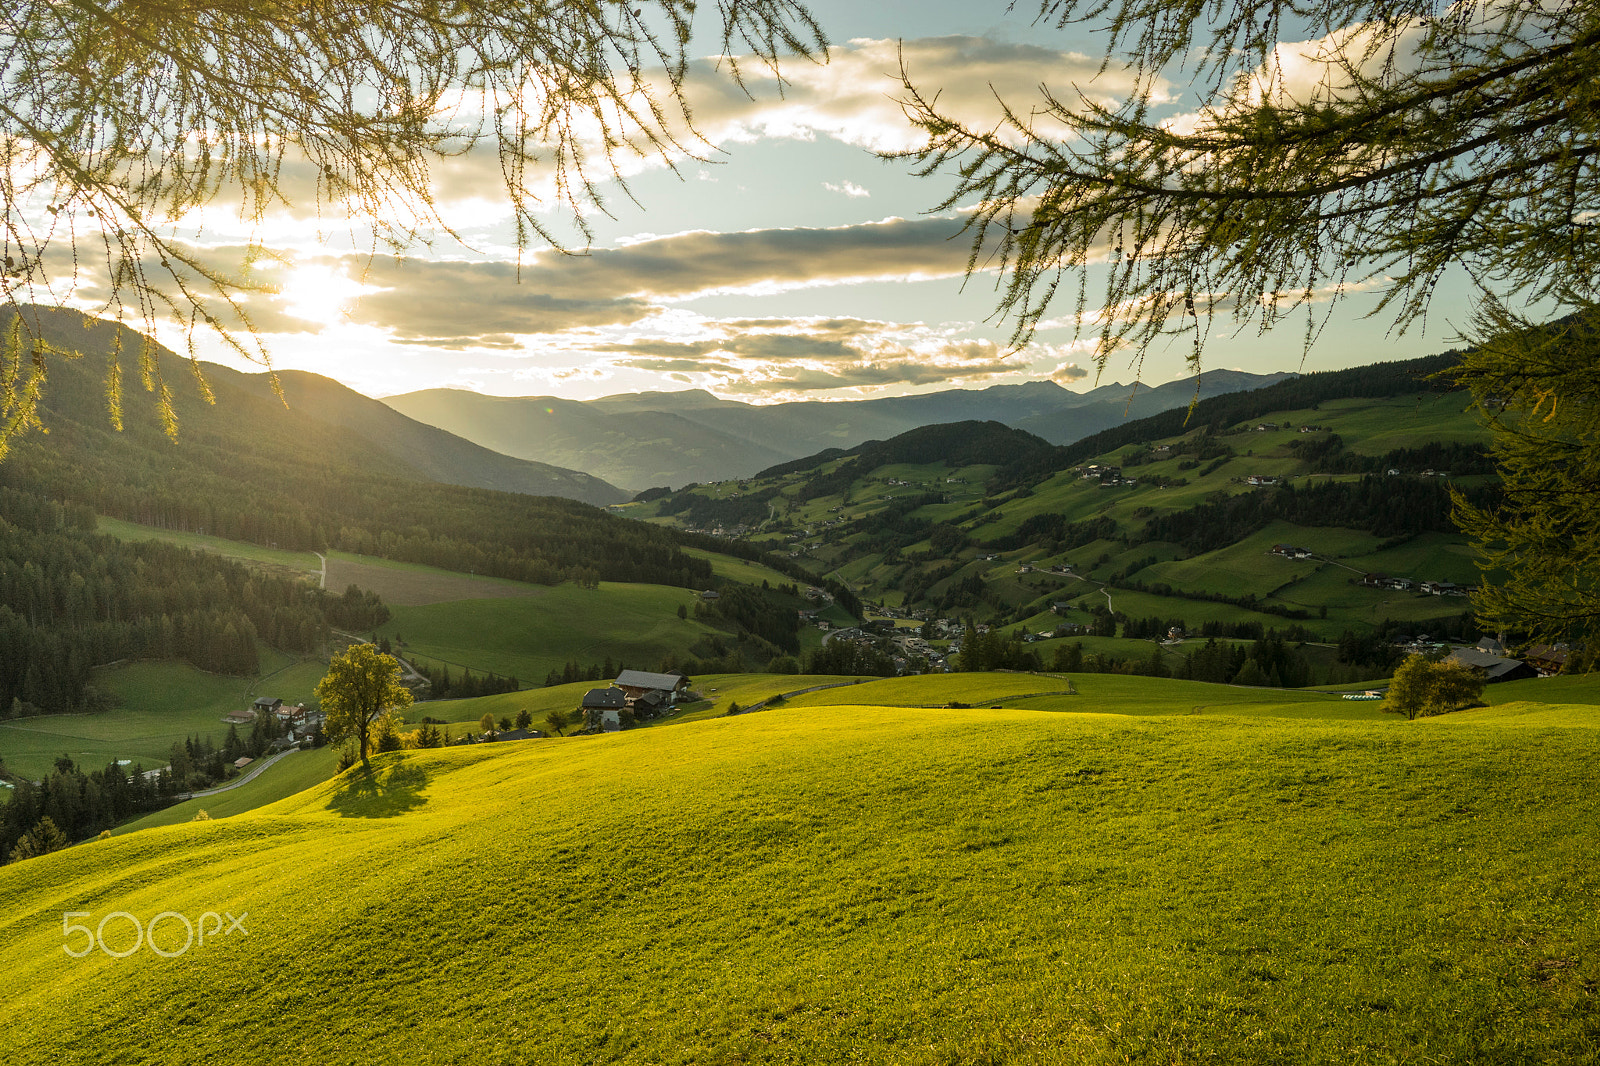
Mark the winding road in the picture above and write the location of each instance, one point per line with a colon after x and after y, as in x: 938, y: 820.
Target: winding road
x: 255, y: 769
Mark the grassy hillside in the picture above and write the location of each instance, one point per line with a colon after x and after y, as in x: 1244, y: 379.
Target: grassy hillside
x: 1252, y: 884
x: 1177, y: 527
x: 293, y: 773
x: 158, y: 705
x: 526, y: 637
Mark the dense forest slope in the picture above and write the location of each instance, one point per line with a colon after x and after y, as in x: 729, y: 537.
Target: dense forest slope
x: 248, y: 469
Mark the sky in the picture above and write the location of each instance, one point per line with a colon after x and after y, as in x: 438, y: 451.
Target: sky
x: 789, y: 262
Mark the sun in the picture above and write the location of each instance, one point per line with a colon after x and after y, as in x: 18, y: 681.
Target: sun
x: 318, y: 292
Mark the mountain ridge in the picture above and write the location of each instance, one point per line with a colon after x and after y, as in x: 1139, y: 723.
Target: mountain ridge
x: 648, y: 439
x: 353, y: 423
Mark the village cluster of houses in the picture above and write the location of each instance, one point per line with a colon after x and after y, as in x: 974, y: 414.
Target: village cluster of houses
x: 1489, y: 655
x: 642, y: 694
x: 1109, y: 476
x: 299, y: 721
x: 1405, y: 584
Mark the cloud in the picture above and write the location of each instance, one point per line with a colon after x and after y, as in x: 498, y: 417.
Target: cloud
x: 855, y: 98
x: 452, y: 304
x: 777, y: 358
x: 1068, y: 372
x: 848, y: 188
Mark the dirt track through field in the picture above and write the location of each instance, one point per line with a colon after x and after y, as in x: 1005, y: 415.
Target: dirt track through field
x: 415, y: 588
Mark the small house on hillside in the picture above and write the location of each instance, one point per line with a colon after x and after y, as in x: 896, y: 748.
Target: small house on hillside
x: 1494, y: 667
x: 602, y: 699
x: 651, y: 704
x: 239, y: 717
x: 636, y: 683
x: 291, y: 715
x: 1547, y: 659
x: 267, y: 705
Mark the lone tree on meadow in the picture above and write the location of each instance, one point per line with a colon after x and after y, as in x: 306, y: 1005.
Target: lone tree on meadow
x: 1423, y: 687
x: 360, y: 696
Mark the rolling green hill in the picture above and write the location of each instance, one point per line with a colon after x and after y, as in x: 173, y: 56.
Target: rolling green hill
x: 1167, y: 875
x: 975, y: 516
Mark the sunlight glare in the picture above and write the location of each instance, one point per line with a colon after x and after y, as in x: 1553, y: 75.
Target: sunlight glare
x: 318, y: 292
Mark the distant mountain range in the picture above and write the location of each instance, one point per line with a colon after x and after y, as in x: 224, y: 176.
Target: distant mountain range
x: 649, y: 439
x: 325, y: 423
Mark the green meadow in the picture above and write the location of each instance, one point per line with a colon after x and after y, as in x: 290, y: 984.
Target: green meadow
x: 730, y: 568
x: 293, y: 773
x: 159, y: 704
x: 1173, y: 873
x: 526, y: 637
x: 231, y: 549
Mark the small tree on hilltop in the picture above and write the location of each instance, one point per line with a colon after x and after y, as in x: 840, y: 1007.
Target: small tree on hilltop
x: 1422, y: 687
x: 487, y: 723
x: 558, y: 720
x: 360, y: 695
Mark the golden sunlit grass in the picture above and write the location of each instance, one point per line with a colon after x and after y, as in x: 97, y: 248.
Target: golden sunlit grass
x: 1250, y: 884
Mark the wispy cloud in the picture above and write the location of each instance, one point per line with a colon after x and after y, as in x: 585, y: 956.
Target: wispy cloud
x: 786, y: 358
x: 455, y: 304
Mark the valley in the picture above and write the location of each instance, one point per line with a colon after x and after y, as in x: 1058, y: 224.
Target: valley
x: 995, y: 749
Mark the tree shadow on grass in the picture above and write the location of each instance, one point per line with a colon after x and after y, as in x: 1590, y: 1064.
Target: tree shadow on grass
x: 387, y: 792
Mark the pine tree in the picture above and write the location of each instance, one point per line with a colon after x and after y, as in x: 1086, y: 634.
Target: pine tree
x: 42, y: 839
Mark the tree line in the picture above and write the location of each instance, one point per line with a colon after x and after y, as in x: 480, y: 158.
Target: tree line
x: 72, y: 599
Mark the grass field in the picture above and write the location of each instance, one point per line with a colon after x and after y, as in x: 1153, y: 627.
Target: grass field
x: 718, y: 692
x: 411, y: 584
x: 160, y: 704
x: 526, y: 637
x: 232, y: 549
x: 1268, y: 881
x: 732, y: 569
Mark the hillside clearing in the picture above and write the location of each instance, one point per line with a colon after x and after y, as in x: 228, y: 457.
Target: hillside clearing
x: 412, y: 585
